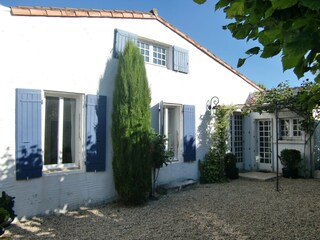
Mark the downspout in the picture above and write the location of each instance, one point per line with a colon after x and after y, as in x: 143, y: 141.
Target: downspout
x: 277, y: 147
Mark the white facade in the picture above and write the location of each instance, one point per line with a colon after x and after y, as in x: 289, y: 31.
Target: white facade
x: 260, y: 133
x: 75, y: 55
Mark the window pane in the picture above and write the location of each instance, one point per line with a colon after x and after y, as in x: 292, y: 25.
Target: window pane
x: 296, y: 128
x: 68, y: 144
x: 284, y: 127
x: 51, y: 130
x: 159, y: 55
x: 144, y: 50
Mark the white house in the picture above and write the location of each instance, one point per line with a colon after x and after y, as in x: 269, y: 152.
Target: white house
x: 57, y: 79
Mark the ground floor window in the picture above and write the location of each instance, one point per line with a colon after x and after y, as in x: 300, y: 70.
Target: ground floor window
x: 61, y: 128
x: 172, y: 129
x: 50, y: 131
x: 290, y: 128
x: 236, y: 136
x: 264, y: 141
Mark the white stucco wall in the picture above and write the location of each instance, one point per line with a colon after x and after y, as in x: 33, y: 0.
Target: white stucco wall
x: 75, y: 55
x: 251, y: 143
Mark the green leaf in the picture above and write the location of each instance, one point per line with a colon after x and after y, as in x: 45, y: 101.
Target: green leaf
x: 236, y: 8
x: 290, y: 61
x: 271, y: 50
x: 267, y: 37
x: 241, y: 31
x: 254, y: 50
x: 253, y: 34
x: 241, y: 61
x: 312, y: 4
x: 283, y: 4
x: 300, y: 69
x: 221, y: 4
x: 200, y: 1
x: 299, y: 47
x: 269, y: 12
x: 301, y: 22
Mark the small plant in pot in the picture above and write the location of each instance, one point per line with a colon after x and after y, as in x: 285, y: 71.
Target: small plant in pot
x: 230, y: 168
x: 6, y: 211
x: 290, y: 159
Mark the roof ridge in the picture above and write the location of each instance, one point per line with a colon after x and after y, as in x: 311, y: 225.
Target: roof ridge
x: 153, y: 14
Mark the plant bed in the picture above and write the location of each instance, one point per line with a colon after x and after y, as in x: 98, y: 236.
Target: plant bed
x: 290, y: 159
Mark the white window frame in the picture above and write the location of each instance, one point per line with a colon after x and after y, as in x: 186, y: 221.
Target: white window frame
x: 178, y: 140
x: 147, y: 50
x: 291, y: 131
x: 236, y: 136
x: 79, y: 131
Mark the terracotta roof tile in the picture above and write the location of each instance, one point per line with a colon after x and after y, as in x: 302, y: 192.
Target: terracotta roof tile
x: 20, y: 11
x: 74, y: 12
x: 81, y: 13
x: 94, y: 13
x: 117, y: 14
x: 53, y: 12
x: 128, y: 15
x: 106, y: 14
x: 67, y: 13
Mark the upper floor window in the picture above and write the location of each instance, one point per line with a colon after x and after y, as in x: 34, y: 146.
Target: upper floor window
x: 144, y: 50
x: 290, y: 128
x: 159, y: 55
x: 156, y: 53
x: 172, y: 57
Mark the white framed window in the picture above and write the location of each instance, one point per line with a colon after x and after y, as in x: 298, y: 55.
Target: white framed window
x: 173, y: 129
x: 144, y: 50
x: 153, y: 53
x: 62, y: 130
x: 236, y: 136
x: 290, y: 128
x: 159, y: 55
x: 296, y: 128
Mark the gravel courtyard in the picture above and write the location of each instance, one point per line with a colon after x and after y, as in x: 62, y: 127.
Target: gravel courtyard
x: 240, y: 209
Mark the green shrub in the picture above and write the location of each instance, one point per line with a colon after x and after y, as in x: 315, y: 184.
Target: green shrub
x: 131, y: 128
x: 230, y: 166
x: 4, y: 217
x: 6, y: 211
x: 290, y: 158
x: 7, y: 202
x: 159, y: 157
x: 210, y: 168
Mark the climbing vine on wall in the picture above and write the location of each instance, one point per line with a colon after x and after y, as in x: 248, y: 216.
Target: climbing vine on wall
x: 212, y: 167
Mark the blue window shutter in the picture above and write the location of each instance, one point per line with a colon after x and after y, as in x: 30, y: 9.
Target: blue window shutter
x: 96, y: 130
x: 180, y: 60
x: 28, y: 134
x: 157, y: 117
x: 189, y: 133
x: 120, y: 40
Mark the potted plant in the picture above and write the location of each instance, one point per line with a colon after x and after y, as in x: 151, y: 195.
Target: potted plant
x: 230, y: 166
x: 6, y: 211
x: 159, y: 157
x: 290, y: 159
x: 4, y: 218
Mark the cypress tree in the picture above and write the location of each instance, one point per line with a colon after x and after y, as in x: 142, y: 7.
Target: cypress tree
x: 131, y: 125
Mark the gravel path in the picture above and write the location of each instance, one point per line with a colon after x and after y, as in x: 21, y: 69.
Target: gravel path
x: 241, y: 209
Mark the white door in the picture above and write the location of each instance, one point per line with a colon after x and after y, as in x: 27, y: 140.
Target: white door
x: 264, y: 145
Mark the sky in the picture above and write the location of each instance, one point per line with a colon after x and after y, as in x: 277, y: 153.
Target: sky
x: 200, y: 22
